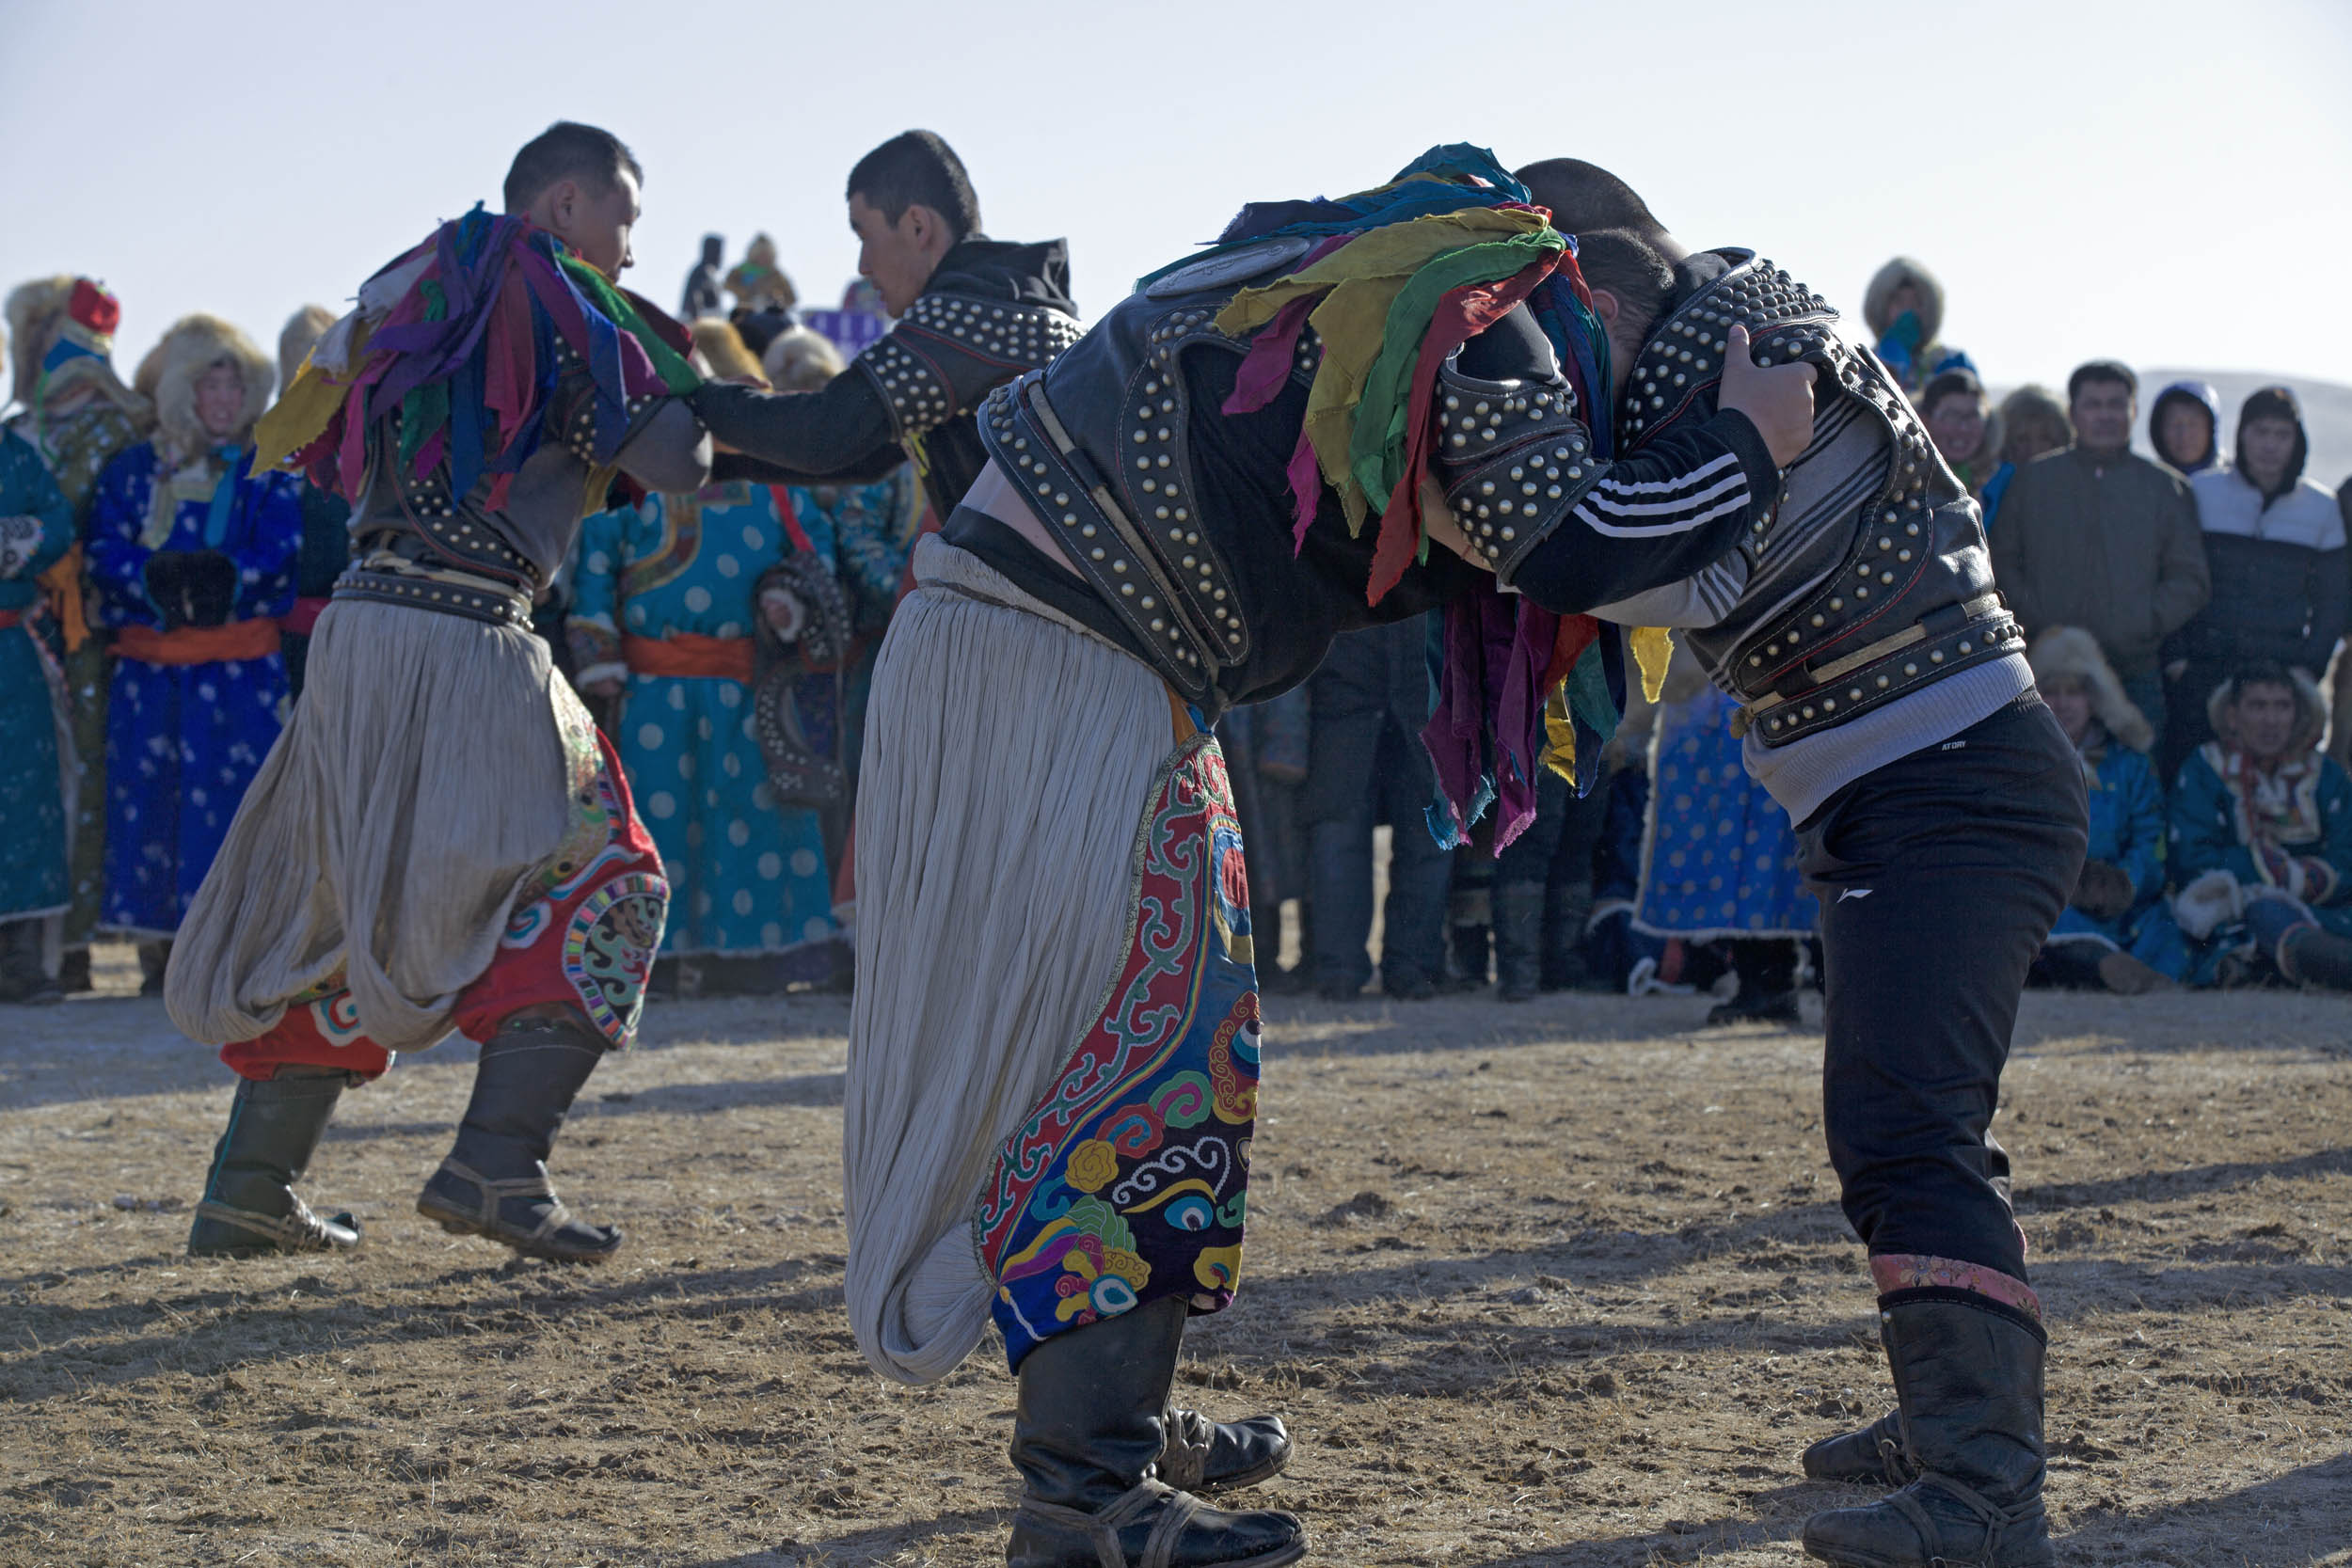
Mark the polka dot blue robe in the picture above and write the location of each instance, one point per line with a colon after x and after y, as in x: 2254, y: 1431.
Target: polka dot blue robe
x: 183, y: 742
x: 1720, y: 856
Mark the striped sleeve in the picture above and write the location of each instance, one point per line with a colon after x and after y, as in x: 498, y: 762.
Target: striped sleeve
x: 1656, y: 518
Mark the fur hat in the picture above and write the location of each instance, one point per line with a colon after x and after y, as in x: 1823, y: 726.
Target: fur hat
x: 1876, y: 310
x: 193, y: 345
x: 757, y: 280
x: 801, y: 360
x: 301, y: 333
x: 71, y: 323
x: 2070, y: 653
x: 2311, y: 708
x: 731, y: 359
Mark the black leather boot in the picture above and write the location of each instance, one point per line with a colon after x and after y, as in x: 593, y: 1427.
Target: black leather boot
x: 2310, y: 956
x: 1518, y: 940
x: 1088, y: 1431
x: 1208, y: 1456
x: 495, y: 1182
x: 1874, y: 1454
x: 249, y: 1205
x: 1766, y: 968
x: 1568, y: 909
x: 1969, y: 1382
x: 23, y: 975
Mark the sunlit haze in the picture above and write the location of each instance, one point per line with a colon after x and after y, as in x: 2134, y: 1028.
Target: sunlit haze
x: 2158, y: 182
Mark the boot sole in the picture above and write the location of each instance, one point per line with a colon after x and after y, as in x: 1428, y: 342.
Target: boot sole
x: 1247, y: 1478
x: 461, y: 1224
x: 1274, y: 1558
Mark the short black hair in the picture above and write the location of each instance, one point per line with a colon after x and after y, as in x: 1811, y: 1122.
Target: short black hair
x: 2110, y: 372
x: 2260, y: 672
x: 1942, y: 383
x: 1584, y: 197
x: 569, y: 150
x: 917, y: 166
x: 1631, y: 265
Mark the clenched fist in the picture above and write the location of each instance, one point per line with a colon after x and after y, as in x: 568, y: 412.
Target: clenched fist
x: 1777, y: 399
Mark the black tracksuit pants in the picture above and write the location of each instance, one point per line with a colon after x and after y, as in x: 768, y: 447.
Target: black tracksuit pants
x: 1939, y: 876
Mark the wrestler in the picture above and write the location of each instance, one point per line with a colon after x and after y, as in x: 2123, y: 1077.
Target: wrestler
x: 1886, y: 700
x: 1052, y: 1057
x: 441, y: 840
x: 972, y: 313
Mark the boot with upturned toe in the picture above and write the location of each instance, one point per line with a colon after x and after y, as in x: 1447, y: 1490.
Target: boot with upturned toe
x: 249, y: 1205
x: 1208, y: 1456
x: 1090, y: 1430
x: 1968, y: 1379
x: 495, y: 1182
x: 1874, y: 1454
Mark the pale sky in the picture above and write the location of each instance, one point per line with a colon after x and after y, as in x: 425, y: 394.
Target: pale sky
x: 2162, y: 182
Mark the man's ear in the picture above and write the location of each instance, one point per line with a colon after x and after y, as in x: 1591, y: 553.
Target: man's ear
x: 562, y: 203
x: 1606, y: 305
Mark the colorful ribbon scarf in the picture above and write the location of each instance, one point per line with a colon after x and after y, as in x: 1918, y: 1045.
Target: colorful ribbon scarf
x: 459, y: 335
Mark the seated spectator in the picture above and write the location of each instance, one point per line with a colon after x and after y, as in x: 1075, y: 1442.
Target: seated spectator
x: 1366, y: 765
x: 1963, y: 426
x: 2261, y: 839
x: 2032, y: 423
x: 2184, y: 426
x: 2275, y: 545
x: 2105, y: 937
x: 2097, y: 537
x: 1905, y: 309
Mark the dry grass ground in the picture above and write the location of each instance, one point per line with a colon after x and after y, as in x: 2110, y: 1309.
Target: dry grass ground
x: 1556, y: 1284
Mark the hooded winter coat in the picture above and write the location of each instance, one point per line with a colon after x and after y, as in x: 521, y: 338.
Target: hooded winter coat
x: 1913, y: 351
x: 2281, y: 589
x: 2206, y: 401
x: 2127, y: 825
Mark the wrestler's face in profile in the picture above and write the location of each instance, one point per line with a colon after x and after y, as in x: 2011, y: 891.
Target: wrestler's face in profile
x: 896, y: 258
x: 597, y: 223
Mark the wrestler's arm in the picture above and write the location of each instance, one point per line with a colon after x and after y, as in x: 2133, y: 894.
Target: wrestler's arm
x: 670, y: 452
x: 1641, y: 522
x: 843, y: 433
x: 875, y: 466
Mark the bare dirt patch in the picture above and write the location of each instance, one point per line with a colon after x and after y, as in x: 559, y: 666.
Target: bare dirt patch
x: 1556, y: 1284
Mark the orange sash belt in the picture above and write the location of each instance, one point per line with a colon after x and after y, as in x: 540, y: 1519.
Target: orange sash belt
x: 198, y: 644
x: 689, y: 654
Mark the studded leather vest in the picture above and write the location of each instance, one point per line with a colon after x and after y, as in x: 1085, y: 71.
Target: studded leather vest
x: 1899, y: 588
x: 941, y: 360
x: 1098, y: 442
x: 422, y: 543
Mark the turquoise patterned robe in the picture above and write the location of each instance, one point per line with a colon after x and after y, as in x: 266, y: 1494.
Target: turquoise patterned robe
x: 745, y: 876
x: 35, y: 529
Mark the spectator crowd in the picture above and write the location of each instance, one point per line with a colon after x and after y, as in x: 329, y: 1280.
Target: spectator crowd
x: 2186, y: 610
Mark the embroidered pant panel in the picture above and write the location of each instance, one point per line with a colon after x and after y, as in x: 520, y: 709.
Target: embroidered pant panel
x: 585, y: 937
x: 1128, y: 1182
